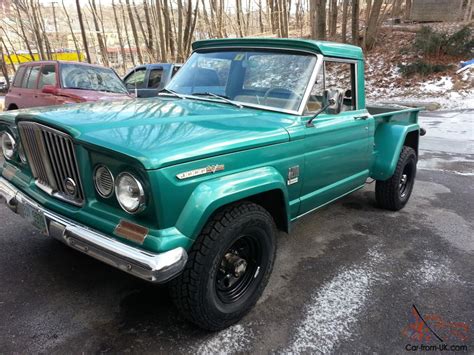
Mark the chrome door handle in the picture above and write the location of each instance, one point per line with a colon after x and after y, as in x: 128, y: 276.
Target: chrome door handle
x: 363, y: 117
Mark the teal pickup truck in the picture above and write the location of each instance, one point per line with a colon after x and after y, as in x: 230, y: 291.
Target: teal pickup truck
x: 191, y: 186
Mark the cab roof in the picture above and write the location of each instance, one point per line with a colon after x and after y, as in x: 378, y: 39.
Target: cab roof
x: 330, y: 49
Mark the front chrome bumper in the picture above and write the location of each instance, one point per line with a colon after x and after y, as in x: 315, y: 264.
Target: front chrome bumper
x: 149, y: 266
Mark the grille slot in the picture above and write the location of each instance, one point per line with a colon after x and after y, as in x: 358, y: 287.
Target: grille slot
x: 104, y: 181
x: 51, y: 156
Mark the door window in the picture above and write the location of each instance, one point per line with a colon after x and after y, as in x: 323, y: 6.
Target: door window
x: 334, y: 75
x: 136, y: 79
x: 19, y: 76
x: 24, y: 81
x: 48, y: 76
x: 33, y: 78
x: 155, y: 78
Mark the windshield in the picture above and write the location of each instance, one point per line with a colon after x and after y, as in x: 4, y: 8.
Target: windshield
x: 274, y: 79
x: 84, y: 77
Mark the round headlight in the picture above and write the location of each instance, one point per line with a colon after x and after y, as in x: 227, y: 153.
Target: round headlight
x: 103, y: 181
x: 8, y: 145
x: 130, y: 193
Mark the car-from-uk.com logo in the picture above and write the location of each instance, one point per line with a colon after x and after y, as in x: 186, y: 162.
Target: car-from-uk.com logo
x: 432, y: 333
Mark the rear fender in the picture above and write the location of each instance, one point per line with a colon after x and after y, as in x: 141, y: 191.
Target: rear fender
x: 389, y: 140
x: 211, y: 195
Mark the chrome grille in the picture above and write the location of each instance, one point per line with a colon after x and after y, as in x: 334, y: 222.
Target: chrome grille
x: 51, y: 156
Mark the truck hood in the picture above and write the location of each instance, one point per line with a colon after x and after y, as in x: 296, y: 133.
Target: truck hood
x: 161, y: 132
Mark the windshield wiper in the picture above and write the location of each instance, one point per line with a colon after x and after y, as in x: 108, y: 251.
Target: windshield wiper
x: 222, y: 97
x: 172, y: 92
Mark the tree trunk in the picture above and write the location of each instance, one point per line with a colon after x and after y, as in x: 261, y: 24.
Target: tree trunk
x: 179, y: 31
x: 37, y: 31
x: 4, y: 64
x: 168, y: 29
x: 318, y: 19
x: 83, y: 31
x: 238, y: 10
x: 372, y: 25
x: 260, y: 18
x: 149, y: 27
x: 407, y: 9
x: 119, y: 34
x: 74, y: 39
x: 100, y: 40
x: 355, y: 22
x: 333, y: 28
x: 22, y: 29
x: 134, y: 31
x: 161, y: 31
x: 345, y: 8
x: 124, y: 19
x: 8, y: 52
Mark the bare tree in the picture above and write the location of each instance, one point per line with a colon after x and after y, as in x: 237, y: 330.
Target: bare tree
x: 161, y: 30
x: 318, y: 19
x: 119, y: 35
x: 3, y: 64
x: 134, y: 31
x: 83, y: 31
x: 355, y: 22
x: 124, y: 20
x: 333, y: 17
x: 74, y: 39
x: 100, y: 39
x: 372, y: 25
x: 345, y: 8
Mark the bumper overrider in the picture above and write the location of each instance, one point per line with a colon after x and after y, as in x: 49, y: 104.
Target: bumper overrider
x: 157, y: 268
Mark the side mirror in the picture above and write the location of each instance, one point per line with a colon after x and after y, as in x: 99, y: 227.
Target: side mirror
x: 50, y: 89
x: 333, y: 98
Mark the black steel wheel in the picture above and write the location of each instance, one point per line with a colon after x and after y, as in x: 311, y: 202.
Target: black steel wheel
x: 228, y: 267
x: 394, y: 193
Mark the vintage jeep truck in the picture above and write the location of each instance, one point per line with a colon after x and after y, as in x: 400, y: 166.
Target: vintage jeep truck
x: 191, y: 186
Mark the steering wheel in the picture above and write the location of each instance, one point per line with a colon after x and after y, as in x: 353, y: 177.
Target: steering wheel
x: 289, y: 91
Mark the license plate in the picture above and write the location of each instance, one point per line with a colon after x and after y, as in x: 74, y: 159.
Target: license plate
x: 33, y: 215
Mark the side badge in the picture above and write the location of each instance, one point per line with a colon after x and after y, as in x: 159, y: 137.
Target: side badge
x: 211, y: 169
x: 293, y: 174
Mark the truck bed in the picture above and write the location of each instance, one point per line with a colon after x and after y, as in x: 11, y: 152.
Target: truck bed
x: 394, y: 114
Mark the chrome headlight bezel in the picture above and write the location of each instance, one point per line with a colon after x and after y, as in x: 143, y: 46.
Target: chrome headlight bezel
x: 141, y: 199
x: 8, y: 152
x: 96, y: 181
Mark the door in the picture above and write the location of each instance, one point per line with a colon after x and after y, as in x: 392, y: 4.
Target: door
x: 48, y: 76
x: 28, y: 92
x: 154, y: 81
x: 135, y: 81
x: 337, y: 154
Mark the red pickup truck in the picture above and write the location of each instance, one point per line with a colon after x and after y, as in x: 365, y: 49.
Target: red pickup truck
x: 49, y: 83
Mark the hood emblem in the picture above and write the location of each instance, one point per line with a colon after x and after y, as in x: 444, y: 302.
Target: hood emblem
x: 70, y: 186
x: 211, y: 169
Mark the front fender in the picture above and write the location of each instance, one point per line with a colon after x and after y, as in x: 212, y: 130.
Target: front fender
x: 210, y: 195
x: 389, y: 140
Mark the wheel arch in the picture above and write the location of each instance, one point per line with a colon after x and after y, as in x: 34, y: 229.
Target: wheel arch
x: 264, y: 186
x: 12, y: 107
x: 389, y: 141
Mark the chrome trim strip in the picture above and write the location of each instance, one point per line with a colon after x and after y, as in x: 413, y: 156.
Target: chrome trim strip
x: 310, y: 84
x: 153, y: 267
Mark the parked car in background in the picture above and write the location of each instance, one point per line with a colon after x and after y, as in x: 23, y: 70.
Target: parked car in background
x: 56, y: 82
x: 146, y: 80
x: 3, y: 85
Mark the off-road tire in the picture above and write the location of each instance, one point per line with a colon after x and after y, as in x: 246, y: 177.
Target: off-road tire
x: 388, y: 193
x: 195, y: 291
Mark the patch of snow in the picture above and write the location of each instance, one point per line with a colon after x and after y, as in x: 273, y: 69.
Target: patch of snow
x: 231, y: 340
x: 335, y: 307
x: 442, y: 85
x: 434, y: 272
